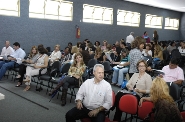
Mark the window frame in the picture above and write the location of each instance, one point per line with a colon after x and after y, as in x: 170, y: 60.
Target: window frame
x: 171, y: 27
x: 152, y: 25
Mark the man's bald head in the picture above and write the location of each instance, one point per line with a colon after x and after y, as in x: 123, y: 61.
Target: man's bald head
x: 7, y: 44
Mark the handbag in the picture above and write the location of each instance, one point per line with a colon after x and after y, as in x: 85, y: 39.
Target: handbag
x: 124, y: 83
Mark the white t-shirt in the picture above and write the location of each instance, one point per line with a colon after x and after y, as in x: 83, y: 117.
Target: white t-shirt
x: 181, y: 50
x: 129, y: 39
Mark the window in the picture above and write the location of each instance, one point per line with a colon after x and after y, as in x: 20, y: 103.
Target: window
x: 128, y: 18
x: 153, y: 21
x: 172, y: 24
x: 51, y: 9
x: 10, y: 7
x: 97, y: 14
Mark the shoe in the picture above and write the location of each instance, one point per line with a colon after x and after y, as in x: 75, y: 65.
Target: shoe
x: 118, y: 85
x: 27, y: 88
x: 63, y: 103
x: 19, y: 84
x: 39, y: 89
x: 18, y: 76
x: 113, y: 83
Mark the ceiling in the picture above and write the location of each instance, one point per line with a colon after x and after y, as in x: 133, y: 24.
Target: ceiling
x: 176, y: 5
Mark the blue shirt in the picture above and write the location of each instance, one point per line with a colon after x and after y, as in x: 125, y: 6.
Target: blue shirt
x: 19, y: 53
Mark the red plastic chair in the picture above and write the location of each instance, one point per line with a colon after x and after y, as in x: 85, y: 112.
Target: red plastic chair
x: 128, y: 104
x: 106, y: 118
x: 145, y: 109
x: 183, y: 115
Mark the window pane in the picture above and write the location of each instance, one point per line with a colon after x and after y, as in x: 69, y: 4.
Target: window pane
x: 66, y: 11
x: 10, y: 7
x: 51, y: 9
x: 128, y: 18
x: 97, y: 14
x: 37, y: 6
x: 172, y: 24
x: 153, y: 21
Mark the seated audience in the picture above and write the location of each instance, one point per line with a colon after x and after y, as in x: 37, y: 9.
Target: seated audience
x: 147, y: 51
x: 7, y: 50
x: 70, y: 45
x: 14, y: 59
x: 94, y: 97
x: 32, y: 58
x: 104, y: 46
x: 139, y: 83
x: 97, y: 44
x: 66, y: 56
x: 146, y: 37
x: 118, y: 74
x: 172, y: 72
x: 182, y: 48
x: 112, y: 57
x: 171, y: 47
x: 74, y: 74
x: 158, y: 56
x: 55, y: 55
x: 99, y: 55
x: 165, y: 108
x: 41, y: 62
x: 74, y: 50
x: 85, y: 54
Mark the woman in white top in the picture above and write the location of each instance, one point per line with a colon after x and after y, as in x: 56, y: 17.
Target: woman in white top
x: 147, y: 51
x: 41, y: 62
x: 56, y: 54
x: 182, y: 47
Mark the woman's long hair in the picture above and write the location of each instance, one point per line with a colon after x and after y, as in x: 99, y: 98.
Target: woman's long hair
x: 31, y: 55
x: 160, y: 90
x: 157, y: 49
x: 137, y: 42
x: 74, y: 64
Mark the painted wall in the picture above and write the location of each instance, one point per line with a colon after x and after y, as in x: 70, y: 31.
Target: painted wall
x: 182, y: 25
x: 29, y: 31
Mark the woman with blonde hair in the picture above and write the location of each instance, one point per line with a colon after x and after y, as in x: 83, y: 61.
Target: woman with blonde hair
x: 55, y: 55
x: 75, y: 72
x: 32, y: 58
x: 165, y: 107
x: 74, y: 50
x: 158, y: 55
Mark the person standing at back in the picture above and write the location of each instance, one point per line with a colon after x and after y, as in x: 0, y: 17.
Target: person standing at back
x: 129, y: 40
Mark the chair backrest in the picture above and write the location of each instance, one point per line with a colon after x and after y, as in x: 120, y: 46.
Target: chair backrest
x: 174, y: 90
x: 128, y: 103
x: 183, y: 115
x: 145, y: 109
x: 65, y: 68
x: 175, y: 53
x: 91, y: 63
x: 106, y: 65
x: 113, y: 97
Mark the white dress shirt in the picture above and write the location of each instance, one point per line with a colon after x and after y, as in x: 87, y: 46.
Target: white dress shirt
x: 19, y: 54
x: 129, y: 39
x: 7, y: 51
x: 145, y: 54
x: 94, y: 95
x: 55, y: 55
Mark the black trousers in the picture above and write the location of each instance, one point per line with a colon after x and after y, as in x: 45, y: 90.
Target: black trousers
x: 76, y: 114
x: 67, y: 81
x: 118, y: 113
x: 22, y: 71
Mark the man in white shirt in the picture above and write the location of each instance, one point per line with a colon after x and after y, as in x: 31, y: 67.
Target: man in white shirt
x: 17, y: 55
x: 93, y: 98
x: 129, y: 40
x: 7, y: 50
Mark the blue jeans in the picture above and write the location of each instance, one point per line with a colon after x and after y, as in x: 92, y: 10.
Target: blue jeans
x: 5, y: 66
x: 118, y: 75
